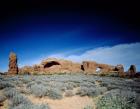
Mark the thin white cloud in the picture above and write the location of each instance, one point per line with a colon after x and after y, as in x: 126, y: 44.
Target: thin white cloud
x: 125, y: 54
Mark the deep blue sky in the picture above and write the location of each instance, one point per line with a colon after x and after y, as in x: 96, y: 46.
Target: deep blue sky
x: 33, y: 30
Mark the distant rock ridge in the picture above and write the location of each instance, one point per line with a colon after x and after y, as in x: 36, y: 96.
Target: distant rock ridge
x: 54, y: 65
x: 58, y: 66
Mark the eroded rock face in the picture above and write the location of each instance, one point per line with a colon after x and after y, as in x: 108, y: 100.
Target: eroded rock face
x: 105, y: 68
x: 132, y: 71
x: 90, y: 67
x: 13, y: 67
x: 26, y: 70
x: 120, y: 70
x: 53, y: 65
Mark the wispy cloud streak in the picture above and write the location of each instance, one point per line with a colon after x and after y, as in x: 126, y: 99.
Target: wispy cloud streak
x: 125, y: 54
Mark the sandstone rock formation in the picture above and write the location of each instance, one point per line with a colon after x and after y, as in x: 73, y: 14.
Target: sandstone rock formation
x: 26, y: 70
x: 120, y: 70
x: 105, y: 68
x: 90, y: 67
x: 53, y: 65
x: 132, y: 71
x: 13, y: 67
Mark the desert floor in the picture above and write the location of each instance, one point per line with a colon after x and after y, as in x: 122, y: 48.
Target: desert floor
x: 68, y: 91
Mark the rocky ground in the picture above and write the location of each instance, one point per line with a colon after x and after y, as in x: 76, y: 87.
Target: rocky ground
x: 68, y: 91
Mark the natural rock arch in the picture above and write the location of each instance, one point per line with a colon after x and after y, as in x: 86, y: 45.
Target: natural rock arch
x: 98, y: 70
x: 51, y: 63
x: 82, y: 68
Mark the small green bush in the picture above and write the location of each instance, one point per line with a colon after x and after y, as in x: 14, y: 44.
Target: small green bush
x: 15, y: 97
x: 39, y: 90
x: 4, y: 84
x: 116, y: 102
x: 54, y: 93
x: 69, y: 93
x: 91, y: 91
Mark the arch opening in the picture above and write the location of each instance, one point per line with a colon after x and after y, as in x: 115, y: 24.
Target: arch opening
x: 98, y: 70
x: 82, y: 67
x: 51, y: 63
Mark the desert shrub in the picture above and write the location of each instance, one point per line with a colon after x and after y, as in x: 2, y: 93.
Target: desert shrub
x: 39, y: 81
x: 67, y: 78
x: 88, y: 107
x: 69, y: 85
x: 22, y: 106
x: 2, y: 98
x: 87, y: 84
x: 138, y: 101
x: 54, y: 93
x: 26, y: 79
x: 1, y: 78
x: 42, y: 106
x: 19, y: 99
x: 101, y: 90
x: 91, y: 91
x: 104, y: 84
x: 117, y: 100
x: 15, y: 97
x: 24, y: 91
x: 11, y: 79
x: 112, y: 86
x: 83, y: 91
x: 28, y: 85
x: 32, y: 106
x: 4, y: 84
x: 55, y: 84
x: 10, y: 92
x: 39, y: 90
x: 129, y: 94
x: 69, y: 93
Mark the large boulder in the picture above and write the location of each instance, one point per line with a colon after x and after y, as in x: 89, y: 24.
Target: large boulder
x: 13, y: 67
